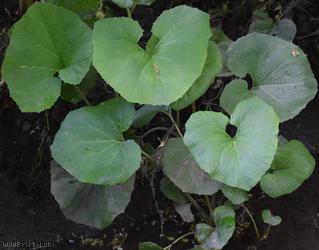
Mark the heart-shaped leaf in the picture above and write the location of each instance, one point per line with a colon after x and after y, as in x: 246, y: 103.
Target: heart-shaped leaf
x: 235, y: 195
x: 131, y: 3
x: 293, y: 164
x: 269, y: 219
x: 92, y: 205
x: 162, y: 73
x: 213, y: 66
x: 86, y: 9
x: 48, y: 40
x: 172, y: 192
x: 180, y: 166
x: 90, y: 145
x: 280, y: 71
x: 240, y: 161
x: 149, y: 246
x: 209, y: 238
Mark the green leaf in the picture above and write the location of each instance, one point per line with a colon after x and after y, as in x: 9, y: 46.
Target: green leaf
x: 146, y: 113
x: 160, y: 75
x: 149, y: 246
x: 235, y: 195
x: 224, y: 218
x: 48, y: 40
x: 268, y: 218
x: 172, y: 192
x: 90, y: 146
x: 131, y: 3
x: 180, y: 166
x: 213, y: 66
x: 92, y: 205
x: 261, y: 23
x: 286, y: 29
x: 86, y: 9
x: 240, y: 161
x: 293, y: 164
x: 71, y: 94
x: 281, y: 73
x: 233, y: 93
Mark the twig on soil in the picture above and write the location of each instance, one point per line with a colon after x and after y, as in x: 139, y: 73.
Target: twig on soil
x: 177, y: 240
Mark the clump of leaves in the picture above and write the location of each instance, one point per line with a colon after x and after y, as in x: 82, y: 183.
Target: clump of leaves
x: 97, y: 150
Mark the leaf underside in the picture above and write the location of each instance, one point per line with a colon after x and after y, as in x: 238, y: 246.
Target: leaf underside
x: 182, y: 169
x: 92, y: 205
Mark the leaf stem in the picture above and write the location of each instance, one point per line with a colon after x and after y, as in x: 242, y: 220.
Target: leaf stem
x: 82, y: 96
x: 193, y: 107
x: 177, y: 240
x: 175, y: 124
x: 129, y: 13
x: 153, y: 130
x: 178, y: 118
x: 267, y: 233
x: 252, y: 220
x: 148, y: 156
x: 201, y: 211
x: 209, y: 204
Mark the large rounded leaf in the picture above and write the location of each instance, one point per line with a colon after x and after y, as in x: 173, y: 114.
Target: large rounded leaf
x: 92, y: 205
x: 162, y: 73
x: 209, y: 238
x: 213, y: 66
x: 293, y: 164
x: 90, y: 145
x: 281, y: 73
x: 180, y: 166
x: 240, y: 161
x: 48, y: 40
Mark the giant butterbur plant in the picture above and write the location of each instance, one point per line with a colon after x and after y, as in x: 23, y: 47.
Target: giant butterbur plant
x: 53, y: 53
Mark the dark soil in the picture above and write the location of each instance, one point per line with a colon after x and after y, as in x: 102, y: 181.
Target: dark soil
x: 29, y: 213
